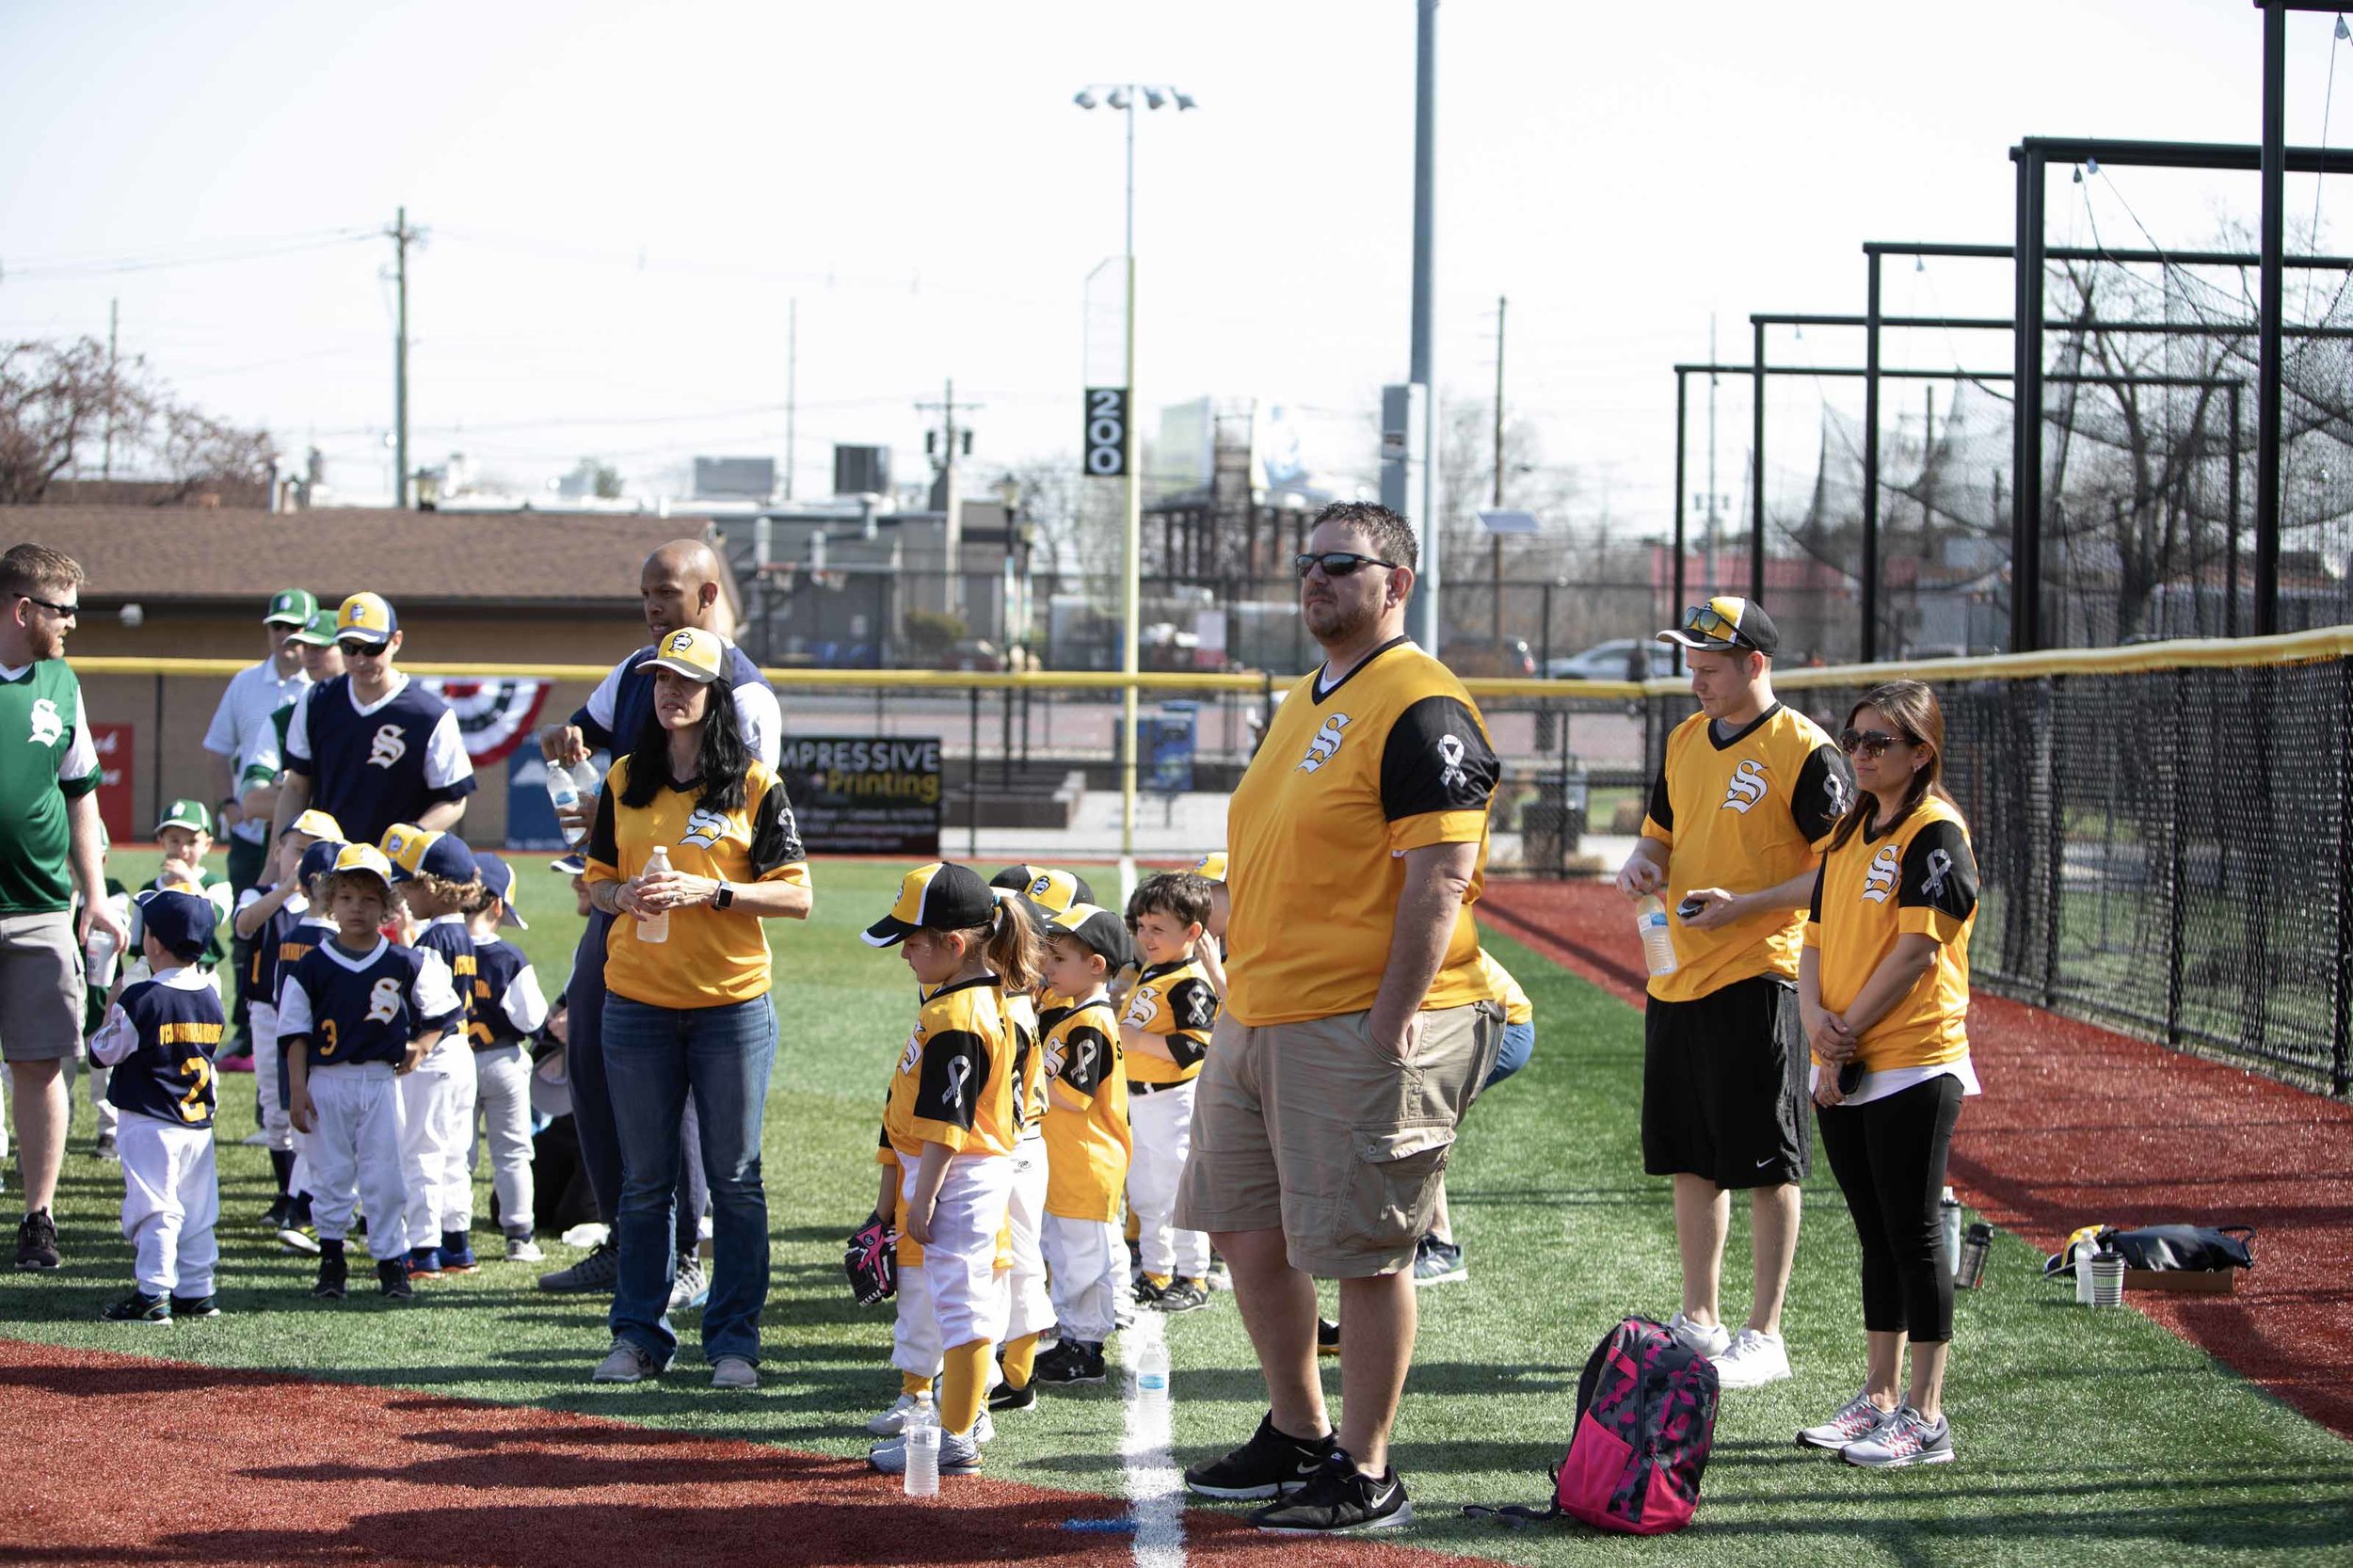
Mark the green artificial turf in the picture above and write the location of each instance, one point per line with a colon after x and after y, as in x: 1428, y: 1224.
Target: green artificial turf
x: 2083, y: 1437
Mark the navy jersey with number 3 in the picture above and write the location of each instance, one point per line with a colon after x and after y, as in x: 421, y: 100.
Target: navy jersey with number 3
x: 368, y: 1008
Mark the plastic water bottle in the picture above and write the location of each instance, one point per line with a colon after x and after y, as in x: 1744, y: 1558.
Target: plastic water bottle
x: 922, y: 1437
x: 656, y: 928
x: 2085, y: 1252
x: 563, y: 790
x: 98, y: 957
x: 1152, y: 1370
x: 1658, y: 946
x: 1948, y: 1208
x: 1971, y: 1274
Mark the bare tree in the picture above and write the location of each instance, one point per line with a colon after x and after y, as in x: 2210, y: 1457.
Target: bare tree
x: 60, y: 401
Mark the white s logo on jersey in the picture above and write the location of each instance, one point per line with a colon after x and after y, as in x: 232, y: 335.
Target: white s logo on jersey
x: 390, y: 747
x: 705, y: 829
x: 48, y: 725
x: 384, y: 1000
x: 1327, y: 741
x: 913, y: 1053
x: 1747, y: 786
x: 1880, y: 881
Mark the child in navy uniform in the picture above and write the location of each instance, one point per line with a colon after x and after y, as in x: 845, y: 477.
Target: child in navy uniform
x: 160, y: 1037
x: 315, y: 873
x: 509, y: 1009
x: 354, y: 1013
x: 436, y: 877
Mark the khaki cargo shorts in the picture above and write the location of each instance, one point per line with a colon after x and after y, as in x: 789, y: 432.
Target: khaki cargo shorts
x: 41, y: 987
x: 1307, y: 1128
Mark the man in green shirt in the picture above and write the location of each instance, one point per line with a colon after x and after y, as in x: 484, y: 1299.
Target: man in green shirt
x: 50, y: 849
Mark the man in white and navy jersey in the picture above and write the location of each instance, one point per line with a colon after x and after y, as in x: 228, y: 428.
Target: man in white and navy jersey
x: 371, y: 748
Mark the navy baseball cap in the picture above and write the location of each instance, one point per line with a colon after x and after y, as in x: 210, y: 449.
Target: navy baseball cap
x: 183, y: 923
x: 499, y: 877
x: 568, y: 865
x: 318, y: 860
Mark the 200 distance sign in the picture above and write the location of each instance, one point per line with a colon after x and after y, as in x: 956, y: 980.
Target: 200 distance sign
x: 1106, y: 444
x: 864, y: 794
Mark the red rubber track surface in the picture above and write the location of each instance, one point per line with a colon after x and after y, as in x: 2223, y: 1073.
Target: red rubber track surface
x: 124, y: 1460
x: 2079, y: 1125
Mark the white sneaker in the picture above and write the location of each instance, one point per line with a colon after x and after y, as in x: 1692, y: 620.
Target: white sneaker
x: 1710, y: 1340
x: 1755, y: 1359
x: 1857, y: 1419
x: 892, y: 1421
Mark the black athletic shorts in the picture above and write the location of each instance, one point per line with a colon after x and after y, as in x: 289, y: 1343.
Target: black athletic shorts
x: 1724, y: 1086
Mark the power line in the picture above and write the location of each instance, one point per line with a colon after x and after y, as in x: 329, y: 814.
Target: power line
x: 245, y: 251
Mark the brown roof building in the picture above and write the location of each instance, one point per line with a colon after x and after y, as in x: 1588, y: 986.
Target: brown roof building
x: 493, y: 588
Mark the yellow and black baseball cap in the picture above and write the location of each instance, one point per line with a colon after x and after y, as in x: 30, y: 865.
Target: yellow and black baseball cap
x: 315, y: 824
x: 691, y: 651
x: 290, y: 607
x: 366, y: 618
x: 942, y: 896
x: 1047, y: 886
x: 1099, y: 929
x: 1723, y: 623
x: 1212, y: 866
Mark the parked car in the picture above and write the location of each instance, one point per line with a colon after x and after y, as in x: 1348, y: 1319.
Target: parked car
x: 1485, y: 656
x: 1609, y: 661
x: 972, y: 653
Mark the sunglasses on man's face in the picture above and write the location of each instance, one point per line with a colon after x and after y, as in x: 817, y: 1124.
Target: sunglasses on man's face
x: 69, y: 611
x: 1867, y: 744
x: 1337, y: 563
x: 361, y: 650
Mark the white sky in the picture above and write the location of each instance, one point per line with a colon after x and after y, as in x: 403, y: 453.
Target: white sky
x: 623, y: 199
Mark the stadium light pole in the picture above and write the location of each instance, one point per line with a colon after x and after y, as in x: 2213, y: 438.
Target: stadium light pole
x: 1123, y: 97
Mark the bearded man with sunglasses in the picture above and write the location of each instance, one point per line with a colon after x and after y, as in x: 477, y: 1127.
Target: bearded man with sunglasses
x: 1746, y: 798
x: 1356, y: 1028
x: 371, y: 748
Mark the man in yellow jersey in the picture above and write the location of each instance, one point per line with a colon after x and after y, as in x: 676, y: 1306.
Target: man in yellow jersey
x: 1356, y: 1026
x: 1746, y: 797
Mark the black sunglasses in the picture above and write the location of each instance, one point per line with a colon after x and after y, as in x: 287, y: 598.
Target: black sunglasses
x: 1708, y: 622
x: 363, y: 650
x: 1869, y: 743
x: 1337, y: 563
x: 70, y: 611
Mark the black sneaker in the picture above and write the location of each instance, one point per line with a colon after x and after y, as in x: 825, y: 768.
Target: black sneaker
x: 1009, y: 1398
x: 1340, y: 1499
x: 392, y: 1279
x: 194, y: 1307
x: 36, y: 1241
x: 333, y: 1275
x: 1327, y: 1336
x: 1182, y: 1295
x: 1145, y: 1292
x: 1071, y: 1361
x: 1272, y: 1464
x: 275, y: 1215
x: 139, y: 1307
x: 596, y: 1272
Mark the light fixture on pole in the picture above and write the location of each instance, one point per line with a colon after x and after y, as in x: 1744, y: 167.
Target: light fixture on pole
x: 1123, y: 97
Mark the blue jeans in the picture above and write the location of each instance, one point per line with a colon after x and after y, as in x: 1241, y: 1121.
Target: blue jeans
x: 652, y: 1056
x: 592, y: 1099
x: 1519, y: 1044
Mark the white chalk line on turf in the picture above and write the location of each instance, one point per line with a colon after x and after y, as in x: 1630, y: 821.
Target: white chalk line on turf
x: 1156, y: 1496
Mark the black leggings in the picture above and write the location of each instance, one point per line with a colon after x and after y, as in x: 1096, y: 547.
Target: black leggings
x: 1889, y: 1157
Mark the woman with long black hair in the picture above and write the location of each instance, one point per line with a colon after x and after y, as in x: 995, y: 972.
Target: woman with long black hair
x: 1883, y: 993
x: 687, y: 999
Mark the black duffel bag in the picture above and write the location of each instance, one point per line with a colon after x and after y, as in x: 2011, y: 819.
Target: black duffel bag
x: 2192, y: 1248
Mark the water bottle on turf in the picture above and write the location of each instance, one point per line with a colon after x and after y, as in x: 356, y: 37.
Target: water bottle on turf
x: 1971, y: 1274
x: 1659, y: 947
x: 922, y: 1439
x: 1948, y: 1210
x: 656, y: 928
x: 2086, y: 1249
x: 1152, y: 1370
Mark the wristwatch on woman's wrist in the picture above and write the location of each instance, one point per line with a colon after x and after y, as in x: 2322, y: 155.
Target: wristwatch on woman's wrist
x: 725, y: 897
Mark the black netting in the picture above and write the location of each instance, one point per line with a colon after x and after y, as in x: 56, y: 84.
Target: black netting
x: 2162, y: 853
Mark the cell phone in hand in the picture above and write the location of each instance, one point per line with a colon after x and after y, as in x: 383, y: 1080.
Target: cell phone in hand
x: 1690, y: 907
x: 1850, y: 1077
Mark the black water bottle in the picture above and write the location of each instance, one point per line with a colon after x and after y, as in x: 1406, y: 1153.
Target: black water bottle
x: 1974, y: 1247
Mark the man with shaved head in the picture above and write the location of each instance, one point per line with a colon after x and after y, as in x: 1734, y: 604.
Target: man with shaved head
x: 680, y: 586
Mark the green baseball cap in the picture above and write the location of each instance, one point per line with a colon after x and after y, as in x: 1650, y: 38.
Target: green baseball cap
x: 186, y: 813
x: 292, y: 607
x: 319, y: 631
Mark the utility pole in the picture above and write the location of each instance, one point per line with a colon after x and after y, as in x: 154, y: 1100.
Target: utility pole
x: 1428, y: 621
x: 1496, y: 543
x: 114, y: 318
x: 1708, y: 574
x: 401, y: 236
x: 792, y: 385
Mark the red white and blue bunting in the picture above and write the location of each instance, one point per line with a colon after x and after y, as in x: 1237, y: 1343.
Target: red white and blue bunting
x: 495, y: 716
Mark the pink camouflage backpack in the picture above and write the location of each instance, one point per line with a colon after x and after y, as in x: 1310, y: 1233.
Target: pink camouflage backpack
x: 1645, y: 1420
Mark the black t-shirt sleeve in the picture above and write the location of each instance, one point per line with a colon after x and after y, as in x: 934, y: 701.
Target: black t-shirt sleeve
x: 1814, y: 909
x: 1939, y: 872
x: 1436, y: 759
x: 953, y: 1071
x: 1087, y: 1059
x: 603, y: 842
x: 775, y: 836
x: 1825, y: 792
x: 1662, y: 808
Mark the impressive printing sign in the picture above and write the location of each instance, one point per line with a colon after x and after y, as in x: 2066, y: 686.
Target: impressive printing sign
x: 865, y: 794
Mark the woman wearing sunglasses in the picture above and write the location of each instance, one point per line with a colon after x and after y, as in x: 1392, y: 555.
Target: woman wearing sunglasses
x: 1883, y: 992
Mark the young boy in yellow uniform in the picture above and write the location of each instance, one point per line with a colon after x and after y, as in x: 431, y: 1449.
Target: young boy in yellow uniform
x: 1088, y: 1142
x: 1165, y: 1033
